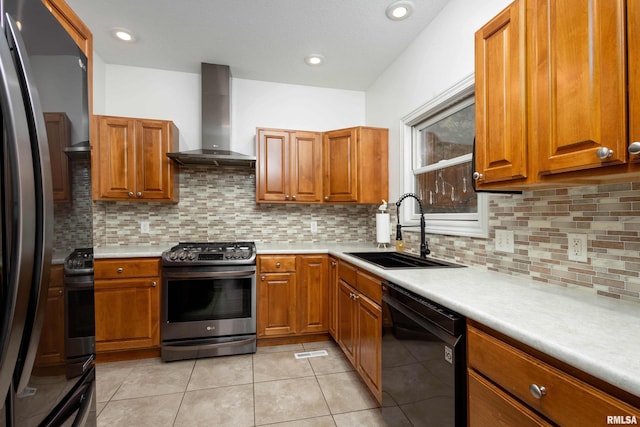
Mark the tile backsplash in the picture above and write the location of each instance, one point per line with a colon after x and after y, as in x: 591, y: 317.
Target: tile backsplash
x: 219, y: 204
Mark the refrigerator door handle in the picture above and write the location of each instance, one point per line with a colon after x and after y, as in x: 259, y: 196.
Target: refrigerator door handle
x: 43, y: 211
x: 20, y: 223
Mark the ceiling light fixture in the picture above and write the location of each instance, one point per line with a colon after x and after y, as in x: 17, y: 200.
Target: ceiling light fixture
x: 314, y: 59
x: 123, y: 34
x: 399, y: 10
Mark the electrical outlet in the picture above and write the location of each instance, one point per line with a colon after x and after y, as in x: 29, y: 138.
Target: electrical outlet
x: 505, y: 241
x: 314, y: 226
x: 144, y: 227
x: 577, y: 247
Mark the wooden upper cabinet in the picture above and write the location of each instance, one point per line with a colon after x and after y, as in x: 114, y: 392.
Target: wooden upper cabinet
x: 356, y: 165
x: 57, y: 125
x: 289, y: 166
x: 501, y: 114
x: 130, y: 162
x: 633, y: 57
x: 578, y: 91
x: 306, y: 166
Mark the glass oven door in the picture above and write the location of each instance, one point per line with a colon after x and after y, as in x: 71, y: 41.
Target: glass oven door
x: 208, y: 302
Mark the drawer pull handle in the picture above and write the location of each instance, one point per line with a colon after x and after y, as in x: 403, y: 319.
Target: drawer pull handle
x: 537, y: 391
x: 154, y: 284
x: 277, y: 265
x: 120, y: 270
x: 262, y: 278
x: 604, y: 153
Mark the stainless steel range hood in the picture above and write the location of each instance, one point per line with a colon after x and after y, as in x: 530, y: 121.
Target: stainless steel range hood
x: 216, y: 123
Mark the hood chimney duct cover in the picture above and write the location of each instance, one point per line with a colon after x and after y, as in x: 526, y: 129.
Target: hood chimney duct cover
x: 216, y: 123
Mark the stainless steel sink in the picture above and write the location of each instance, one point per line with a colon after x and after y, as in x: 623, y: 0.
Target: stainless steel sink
x: 398, y: 260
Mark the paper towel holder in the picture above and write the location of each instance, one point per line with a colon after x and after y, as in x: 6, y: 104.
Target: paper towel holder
x: 382, y: 226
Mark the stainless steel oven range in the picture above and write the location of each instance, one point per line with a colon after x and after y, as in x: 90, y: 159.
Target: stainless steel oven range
x: 208, y: 300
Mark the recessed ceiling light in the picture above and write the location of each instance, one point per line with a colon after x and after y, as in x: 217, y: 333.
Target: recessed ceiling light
x: 314, y: 59
x: 399, y: 10
x: 123, y: 34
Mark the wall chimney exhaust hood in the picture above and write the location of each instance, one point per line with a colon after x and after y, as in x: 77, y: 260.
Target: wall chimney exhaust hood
x: 216, y: 123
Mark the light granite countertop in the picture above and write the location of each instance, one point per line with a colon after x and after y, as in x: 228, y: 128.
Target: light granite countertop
x: 596, y: 334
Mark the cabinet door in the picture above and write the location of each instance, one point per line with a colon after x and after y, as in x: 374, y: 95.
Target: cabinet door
x: 340, y: 166
x: 490, y: 406
x: 369, y: 353
x: 154, y: 175
x: 276, y: 304
x: 127, y: 314
x: 306, y: 167
x: 273, y: 166
x: 57, y: 125
x: 116, y: 158
x: 633, y: 58
x: 333, y: 298
x: 51, y: 347
x: 312, y: 293
x: 501, y: 114
x: 347, y: 319
x: 579, y: 85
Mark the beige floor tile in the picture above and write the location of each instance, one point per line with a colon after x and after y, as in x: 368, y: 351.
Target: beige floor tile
x: 369, y: 418
x: 220, y: 407
x: 108, y: 379
x: 288, y: 400
x: 156, y: 411
x: 345, y: 392
x: 156, y: 379
x: 221, y: 371
x: 320, y: 345
x: 332, y: 363
x: 280, y: 348
x: 279, y: 366
x: 326, y: 421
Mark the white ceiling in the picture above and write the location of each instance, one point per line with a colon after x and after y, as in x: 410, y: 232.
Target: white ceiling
x: 259, y: 39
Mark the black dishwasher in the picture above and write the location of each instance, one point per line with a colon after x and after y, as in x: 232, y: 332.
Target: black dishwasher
x: 423, y: 361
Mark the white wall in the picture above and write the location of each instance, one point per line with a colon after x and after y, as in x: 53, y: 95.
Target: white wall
x: 170, y: 95
x: 441, y: 56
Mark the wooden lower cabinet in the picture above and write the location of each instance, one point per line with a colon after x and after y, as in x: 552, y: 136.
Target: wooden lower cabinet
x: 359, y: 323
x: 510, y: 384
x: 127, y: 299
x: 51, y: 347
x: 332, y: 298
x: 292, y: 295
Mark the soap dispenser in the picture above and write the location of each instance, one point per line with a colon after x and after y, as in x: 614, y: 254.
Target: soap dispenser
x: 399, y: 241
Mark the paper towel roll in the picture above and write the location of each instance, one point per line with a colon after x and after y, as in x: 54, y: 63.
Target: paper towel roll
x: 382, y: 228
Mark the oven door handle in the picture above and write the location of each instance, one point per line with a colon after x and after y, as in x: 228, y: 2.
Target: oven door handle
x: 208, y: 274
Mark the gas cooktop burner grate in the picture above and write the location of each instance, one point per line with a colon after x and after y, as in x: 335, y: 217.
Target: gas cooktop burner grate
x: 210, y: 253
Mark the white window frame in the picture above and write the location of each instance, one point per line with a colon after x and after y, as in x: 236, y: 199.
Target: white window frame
x: 470, y: 225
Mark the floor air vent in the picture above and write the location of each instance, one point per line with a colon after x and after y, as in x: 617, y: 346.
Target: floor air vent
x: 307, y: 354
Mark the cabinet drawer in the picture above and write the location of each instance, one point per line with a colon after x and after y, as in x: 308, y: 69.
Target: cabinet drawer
x: 277, y: 264
x: 487, y: 403
x: 347, y: 273
x: 126, y: 268
x: 371, y: 286
x: 567, y: 401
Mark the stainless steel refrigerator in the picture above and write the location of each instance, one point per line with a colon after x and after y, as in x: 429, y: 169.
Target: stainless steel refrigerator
x: 42, y: 71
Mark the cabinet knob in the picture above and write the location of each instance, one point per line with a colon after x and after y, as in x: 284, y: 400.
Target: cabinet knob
x: 277, y: 265
x: 154, y: 284
x: 326, y: 198
x: 130, y: 193
x: 262, y: 278
x: 293, y: 197
x: 138, y: 194
x: 60, y: 292
x: 634, y: 148
x: 120, y: 270
x: 604, y: 153
x: 477, y: 176
x: 286, y: 197
x: 537, y: 391
x: 333, y: 264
